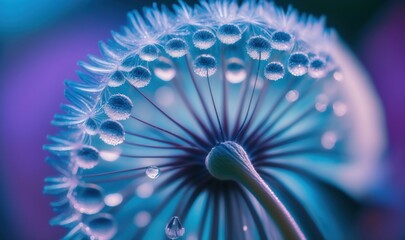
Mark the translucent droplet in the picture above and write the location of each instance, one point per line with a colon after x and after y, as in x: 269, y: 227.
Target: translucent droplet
x: 164, y: 69
x: 86, y: 157
x: 130, y: 61
x: 317, y: 68
x: 292, y: 95
x: 139, y: 76
x: 118, y: 107
x: 338, y: 76
x: 116, y: 79
x: 328, y: 140
x: 149, y: 53
x: 258, y: 48
x: 152, y: 172
x: 205, y: 65
x: 245, y: 228
x: 235, y: 71
x: 174, y: 229
x: 91, y: 127
x: 87, y: 198
x: 229, y: 33
x: 142, y: 219
x: 145, y: 190
x: 176, y: 47
x: 340, y: 109
x: 204, y: 39
x: 113, y: 199
x: 298, y: 64
x: 110, y: 155
x: 112, y: 132
x: 101, y: 226
x: 274, y: 71
x: 282, y: 41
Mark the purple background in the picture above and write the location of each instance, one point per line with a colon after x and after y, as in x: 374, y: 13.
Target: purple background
x: 42, y: 41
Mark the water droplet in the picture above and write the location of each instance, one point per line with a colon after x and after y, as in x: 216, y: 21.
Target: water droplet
x: 235, y: 71
x: 118, y: 107
x: 245, y: 228
x: 165, y: 96
x: 321, y: 102
x: 164, y: 69
x: 112, y: 132
x: 274, y: 71
x: 86, y: 157
x: 229, y: 33
x: 116, y: 79
x: 292, y: 95
x: 130, y: 61
x: 317, y: 68
x: 204, y: 65
x: 110, y: 155
x: 340, y: 109
x: 328, y: 140
x: 149, y: 53
x: 101, y: 226
x: 152, y: 172
x: 298, y: 64
x: 258, y: 48
x: 174, y: 229
x: 282, y: 41
x: 113, y: 199
x: 142, y: 219
x: 176, y: 47
x: 91, y: 127
x: 139, y: 76
x: 145, y: 190
x: 87, y: 198
x: 338, y: 76
x: 204, y: 39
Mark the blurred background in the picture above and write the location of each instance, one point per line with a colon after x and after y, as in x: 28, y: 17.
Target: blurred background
x: 41, y: 41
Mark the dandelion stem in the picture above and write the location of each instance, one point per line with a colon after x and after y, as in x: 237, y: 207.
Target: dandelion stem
x: 215, y: 108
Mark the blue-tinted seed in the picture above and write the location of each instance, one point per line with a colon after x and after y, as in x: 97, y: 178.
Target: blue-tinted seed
x: 229, y: 33
x: 298, y: 64
x: 149, y: 53
x: 204, y: 39
x: 116, y: 79
x: 274, y: 71
x: 112, y: 132
x: 118, y: 107
x: 235, y: 71
x: 87, y: 198
x: 164, y: 69
x: 130, y: 61
x: 139, y: 76
x: 176, y: 47
x: 90, y: 127
x: 317, y: 68
x: 282, y: 41
x: 205, y: 65
x: 86, y: 157
x: 258, y: 48
x: 101, y: 226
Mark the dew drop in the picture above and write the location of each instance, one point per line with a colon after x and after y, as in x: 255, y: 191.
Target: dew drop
x: 317, y: 68
x: 229, y: 34
x: 149, y: 53
x: 282, y: 41
x: 118, y: 107
x: 112, y: 132
x: 338, y: 76
x: 205, y: 65
x: 235, y: 71
x: 274, y: 71
x: 101, y: 226
x: 130, y: 61
x: 321, y: 103
x: 113, y: 199
x: 142, y: 219
x: 145, y: 190
x: 298, y: 64
x: 340, y: 109
x: 174, y: 229
x: 116, y: 79
x: 292, y: 95
x: 164, y: 69
x: 152, y: 172
x: 176, y: 47
x: 86, y: 157
x: 110, y: 155
x: 139, y: 76
x: 258, y: 48
x: 204, y: 39
x: 90, y: 127
x: 87, y: 198
x: 328, y: 140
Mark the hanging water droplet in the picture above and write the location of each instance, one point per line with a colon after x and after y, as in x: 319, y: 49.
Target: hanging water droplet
x: 258, y: 48
x: 139, y: 76
x: 116, y: 79
x: 113, y: 199
x: 328, y: 140
x: 118, y: 107
x: 317, y: 68
x: 152, y: 172
x: 205, y: 65
x: 321, y: 102
x: 274, y: 71
x: 176, y: 47
x: 90, y: 127
x: 235, y: 71
x: 164, y: 69
x: 87, y: 198
x: 229, y: 33
x: 174, y: 229
x: 298, y: 64
x: 340, y: 109
x: 112, y: 132
x: 292, y: 95
x: 101, y: 226
x: 282, y: 41
x: 204, y: 39
x: 149, y: 53
x: 86, y: 157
